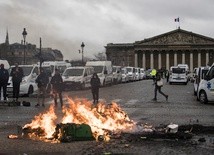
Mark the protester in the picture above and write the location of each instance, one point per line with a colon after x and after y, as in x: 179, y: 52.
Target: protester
x: 42, y: 81
x: 17, y: 75
x: 57, y: 87
x: 4, y: 77
x: 95, y: 85
x: 158, y: 84
x: 167, y: 75
x: 153, y: 74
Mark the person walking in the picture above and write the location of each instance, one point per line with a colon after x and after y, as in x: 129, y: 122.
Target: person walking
x: 95, y: 85
x: 167, y: 76
x: 17, y: 75
x: 4, y: 77
x: 57, y: 87
x: 158, y: 84
x: 42, y: 80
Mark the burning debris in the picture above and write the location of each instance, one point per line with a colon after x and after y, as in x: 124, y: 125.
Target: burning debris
x: 81, y: 120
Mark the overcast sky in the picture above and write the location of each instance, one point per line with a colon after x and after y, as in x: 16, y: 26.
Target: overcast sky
x: 65, y: 24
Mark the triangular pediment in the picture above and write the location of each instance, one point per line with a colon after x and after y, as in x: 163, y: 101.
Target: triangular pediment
x: 178, y: 36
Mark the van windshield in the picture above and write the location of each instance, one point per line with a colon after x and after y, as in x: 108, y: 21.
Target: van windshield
x: 27, y: 70
x: 98, y: 69
x: 204, y: 72
x: 73, y: 72
x: 114, y: 69
x: 178, y: 70
x: 129, y: 69
x: 123, y: 71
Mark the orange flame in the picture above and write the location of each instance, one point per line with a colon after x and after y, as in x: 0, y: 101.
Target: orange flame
x: 101, y: 118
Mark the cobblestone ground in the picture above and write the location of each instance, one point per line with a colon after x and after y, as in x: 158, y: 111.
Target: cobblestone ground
x: 135, y: 99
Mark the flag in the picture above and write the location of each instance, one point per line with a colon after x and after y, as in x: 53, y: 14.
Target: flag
x: 176, y: 19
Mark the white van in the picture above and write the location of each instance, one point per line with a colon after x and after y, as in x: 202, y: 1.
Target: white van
x: 178, y: 75
x: 117, y: 75
x: 142, y: 74
x: 206, y: 87
x: 6, y: 64
x: 199, y: 75
x: 137, y: 73
x: 77, y: 77
x: 103, y: 70
x: 125, y: 76
x: 131, y: 73
x: 28, y: 85
x: 60, y: 65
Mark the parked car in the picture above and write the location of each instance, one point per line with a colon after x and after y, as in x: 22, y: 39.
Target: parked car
x: 137, y: 73
x: 178, y: 75
x: 103, y: 70
x: 148, y: 74
x: 28, y: 85
x: 205, y: 92
x: 117, y: 75
x: 125, y: 76
x: 131, y: 73
x: 199, y: 75
x: 142, y: 74
x: 77, y: 77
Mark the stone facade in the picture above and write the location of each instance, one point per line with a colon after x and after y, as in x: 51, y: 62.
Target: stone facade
x: 162, y: 51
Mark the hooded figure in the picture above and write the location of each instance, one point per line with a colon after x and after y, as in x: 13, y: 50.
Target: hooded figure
x: 95, y: 85
x: 4, y: 77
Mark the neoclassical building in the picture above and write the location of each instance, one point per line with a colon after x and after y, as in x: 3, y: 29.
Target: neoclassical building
x: 163, y: 51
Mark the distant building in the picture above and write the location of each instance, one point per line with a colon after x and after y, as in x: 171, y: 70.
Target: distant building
x: 165, y: 50
x: 15, y: 53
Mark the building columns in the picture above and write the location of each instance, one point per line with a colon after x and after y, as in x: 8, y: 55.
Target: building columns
x: 207, y: 57
x: 159, y: 60
x: 191, y: 61
x: 151, y: 60
x: 136, y: 59
x: 144, y: 60
x: 183, y: 58
x: 199, y: 58
x: 175, y: 59
x: 167, y: 61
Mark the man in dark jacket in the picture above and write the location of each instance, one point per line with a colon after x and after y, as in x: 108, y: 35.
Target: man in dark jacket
x: 57, y: 87
x: 4, y: 77
x: 17, y: 75
x: 42, y: 80
x: 95, y: 85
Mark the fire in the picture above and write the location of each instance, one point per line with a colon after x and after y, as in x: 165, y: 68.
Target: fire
x: 102, y: 118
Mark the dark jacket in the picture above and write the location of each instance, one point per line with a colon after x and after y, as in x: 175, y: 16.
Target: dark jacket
x: 17, y: 74
x: 57, y: 83
x: 42, y: 80
x: 4, y: 76
x: 95, y: 83
x: 158, y: 78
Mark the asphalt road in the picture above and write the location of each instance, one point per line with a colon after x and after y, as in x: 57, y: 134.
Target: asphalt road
x: 136, y: 99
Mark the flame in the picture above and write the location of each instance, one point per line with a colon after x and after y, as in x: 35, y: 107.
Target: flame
x: 102, y: 118
x: 13, y: 136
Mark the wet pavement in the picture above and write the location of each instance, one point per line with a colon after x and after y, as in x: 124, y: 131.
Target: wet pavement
x: 135, y: 99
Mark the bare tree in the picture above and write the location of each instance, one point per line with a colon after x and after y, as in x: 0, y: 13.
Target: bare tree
x: 100, y: 56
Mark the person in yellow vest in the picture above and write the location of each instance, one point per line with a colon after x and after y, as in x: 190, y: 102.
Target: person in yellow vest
x: 153, y: 74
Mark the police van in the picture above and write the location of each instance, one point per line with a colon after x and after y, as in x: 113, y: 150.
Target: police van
x: 77, y: 77
x: 178, y: 75
x: 206, y: 87
x: 199, y: 75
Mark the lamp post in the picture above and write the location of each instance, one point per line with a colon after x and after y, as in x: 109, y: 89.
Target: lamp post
x: 82, y: 46
x: 24, y: 33
x: 40, y: 53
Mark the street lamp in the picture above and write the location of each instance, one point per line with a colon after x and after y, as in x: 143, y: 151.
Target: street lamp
x: 24, y: 33
x: 82, y: 46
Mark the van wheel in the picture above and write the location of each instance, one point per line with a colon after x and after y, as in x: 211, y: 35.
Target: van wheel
x: 203, y: 97
x: 30, y: 90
